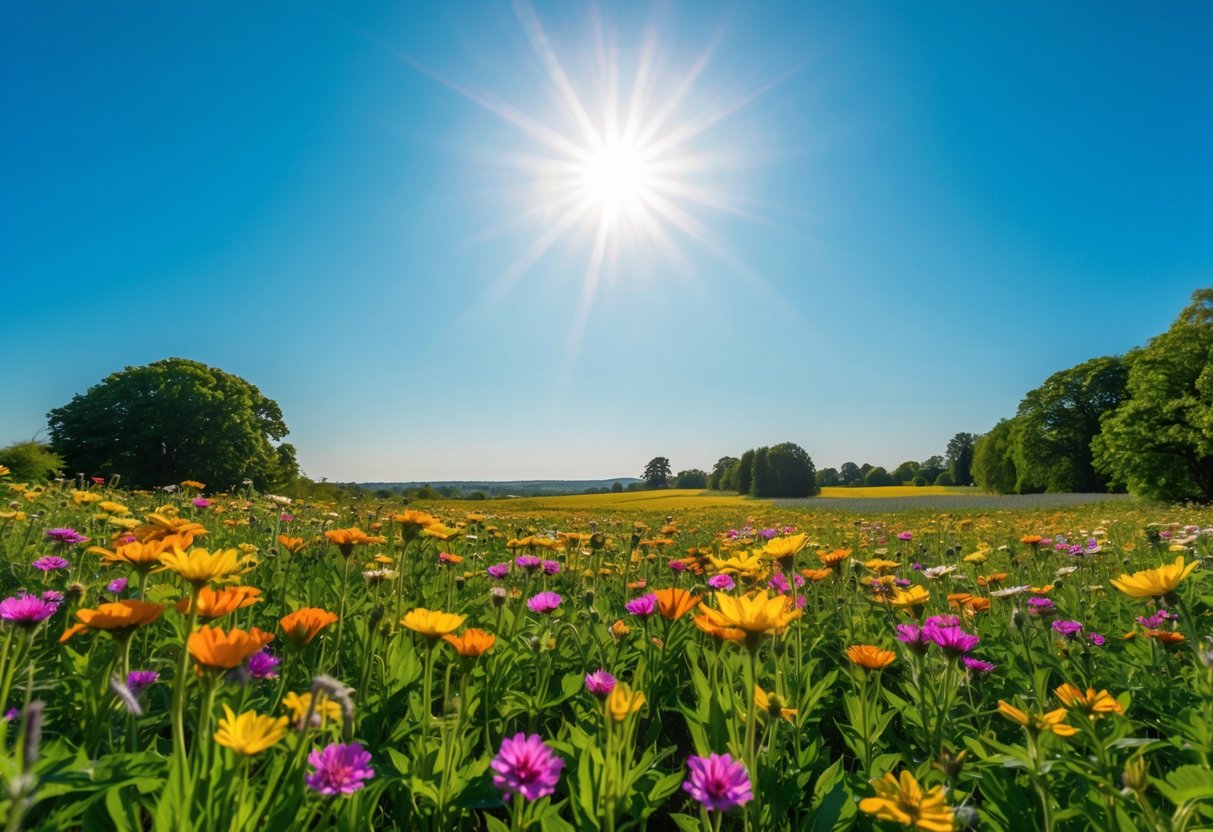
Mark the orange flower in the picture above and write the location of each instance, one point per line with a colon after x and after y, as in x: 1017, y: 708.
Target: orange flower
x: 160, y: 526
x: 1092, y: 703
x: 975, y: 604
x: 214, y: 604
x: 1041, y: 590
x: 834, y: 558
x: 1165, y: 636
x: 143, y: 556
x: 214, y: 649
x: 346, y: 539
x: 817, y: 574
x: 472, y: 643
x: 870, y: 657
x: 291, y: 544
x: 619, y: 629
x: 119, y: 618
x: 302, y: 625
x: 992, y: 579
x: 674, y: 603
x: 413, y: 521
x: 1031, y: 539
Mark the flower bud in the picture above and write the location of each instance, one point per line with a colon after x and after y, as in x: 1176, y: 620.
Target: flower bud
x: 1134, y: 774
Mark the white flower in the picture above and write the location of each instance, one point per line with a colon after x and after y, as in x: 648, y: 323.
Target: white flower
x: 1009, y: 591
x: 282, y: 501
x: 939, y: 571
x: 1066, y: 570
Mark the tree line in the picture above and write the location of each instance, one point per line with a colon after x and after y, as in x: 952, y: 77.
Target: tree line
x: 1141, y: 422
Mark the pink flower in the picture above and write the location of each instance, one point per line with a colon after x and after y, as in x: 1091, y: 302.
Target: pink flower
x: 718, y: 782
x: 644, y: 606
x: 600, y: 683
x: 51, y: 562
x: 544, y: 603
x: 722, y: 582
x: 525, y: 765
x: 339, y: 769
x: 26, y: 611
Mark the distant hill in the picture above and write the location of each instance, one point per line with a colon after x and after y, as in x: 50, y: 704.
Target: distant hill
x: 502, y: 488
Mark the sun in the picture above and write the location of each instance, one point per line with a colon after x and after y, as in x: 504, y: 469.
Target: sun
x: 615, y: 178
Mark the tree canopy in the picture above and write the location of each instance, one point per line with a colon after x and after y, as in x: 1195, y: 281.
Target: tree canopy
x: 1159, y: 443
x: 174, y: 420
x: 657, y: 473
x: 960, y: 458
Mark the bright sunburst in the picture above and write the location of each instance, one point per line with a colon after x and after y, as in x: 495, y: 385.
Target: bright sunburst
x: 626, y: 165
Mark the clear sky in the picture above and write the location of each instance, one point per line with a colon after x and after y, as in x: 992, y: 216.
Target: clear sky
x: 861, y: 227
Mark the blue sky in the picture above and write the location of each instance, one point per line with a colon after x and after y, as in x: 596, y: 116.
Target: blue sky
x: 931, y: 207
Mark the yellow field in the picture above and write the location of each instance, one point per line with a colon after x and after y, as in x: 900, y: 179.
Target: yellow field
x: 671, y: 499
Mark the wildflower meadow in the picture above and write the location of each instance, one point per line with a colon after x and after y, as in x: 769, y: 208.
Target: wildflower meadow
x: 188, y: 660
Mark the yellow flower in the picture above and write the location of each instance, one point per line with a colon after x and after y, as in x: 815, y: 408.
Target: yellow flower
x: 1054, y: 721
x: 772, y: 704
x: 879, y: 565
x: 1092, y: 703
x: 911, y: 600
x: 300, y: 703
x: 976, y: 557
x: 778, y: 548
x: 903, y: 801
x: 142, y: 556
x: 623, y: 701
x: 755, y: 614
x: 110, y: 507
x: 81, y: 498
x: 1152, y: 583
x: 249, y: 733
x: 744, y: 563
x: 199, y: 566
x: 432, y: 624
x: 440, y: 532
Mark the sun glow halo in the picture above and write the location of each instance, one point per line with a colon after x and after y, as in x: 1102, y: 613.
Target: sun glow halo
x: 615, y: 179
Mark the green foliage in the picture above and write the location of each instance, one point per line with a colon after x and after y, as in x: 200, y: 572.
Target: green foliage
x: 828, y: 478
x: 920, y: 481
x: 1159, y: 443
x: 931, y: 467
x: 945, y: 478
x: 745, y: 473
x: 960, y: 458
x: 657, y: 473
x: 879, y: 476
x: 783, y: 470
x: 721, y: 472
x: 31, y: 462
x: 1057, y: 421
x: 761, y: 484
x: 692, y: 478
x: 850, y: 474
x: 905, y: 472
x: 174, y: 420
x: 993, y: 459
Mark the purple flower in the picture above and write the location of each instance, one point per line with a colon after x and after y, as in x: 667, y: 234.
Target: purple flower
x: 51, y: 563
x: 527, y: 562
x: 525, y: 765
x: 129, y: 700
x: 1096, y: 639
x: 942, y: 621
x: 201, y: 502
x: 12, y: 715
x: 600, y: 683
x: 722, y: 582
x: 952, y: 640
x: 678, y: 565
x: 644, y: 606
x: 339, y: 769
x: 66, y: 537
x: 138, y: 680
x: 544, y: 602
x: 53, y: 596
x: 264, y: 665
x: 779, y: 583
x: 913, y: 637
x: 977, y: 665
x: 26, y: 611
x: 117, y: 586
x: 551, y: 567
x: 1156, y: 620
x: 768, y: 534
x: 905, y: 536
x: 718, y: 782
x: 286, y: 518
x: 498, y: 571
x: 1069, y: 629
x: 1041, y: 607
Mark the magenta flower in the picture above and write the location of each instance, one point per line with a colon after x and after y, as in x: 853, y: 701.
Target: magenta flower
x: 551, y: 567
x: 117, y: 586
x: 26, y: 611
x: 1069, y: 629
x: 52, y: 596
x: 644, y: 606
x: 138, y: 680
x: 912, y: 636
x: 525, y: 765
x: 201, y: 502
x: 600, y: 683
x: 1096, y: 639
x: 51, y: 562
x: 527, y: 562
x: 718, y: 782
x: 544, y: 603
x: 339, y: 769
x: 498, y: 571
x: 779, y: 583
x: 953, y: 640
x: 906, y: 536
x: 942, y: 621
x: 66, y: 537
x: 722, y: 582
x: 263, y: 665
x: 1041, y: 607
x: 977, y: 665
x: 678, y: 566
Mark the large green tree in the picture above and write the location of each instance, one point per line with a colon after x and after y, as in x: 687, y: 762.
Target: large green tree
x: 1159, y: 443
x: 783, y: 470
x: 1057, y: 421
x: 174, y: 420
x: 657, y: 473
x: 994, y: 460
x: 960, y: 458
x: 720, y: 476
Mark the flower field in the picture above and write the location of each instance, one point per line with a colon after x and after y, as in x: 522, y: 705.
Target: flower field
x: 183, y: 660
